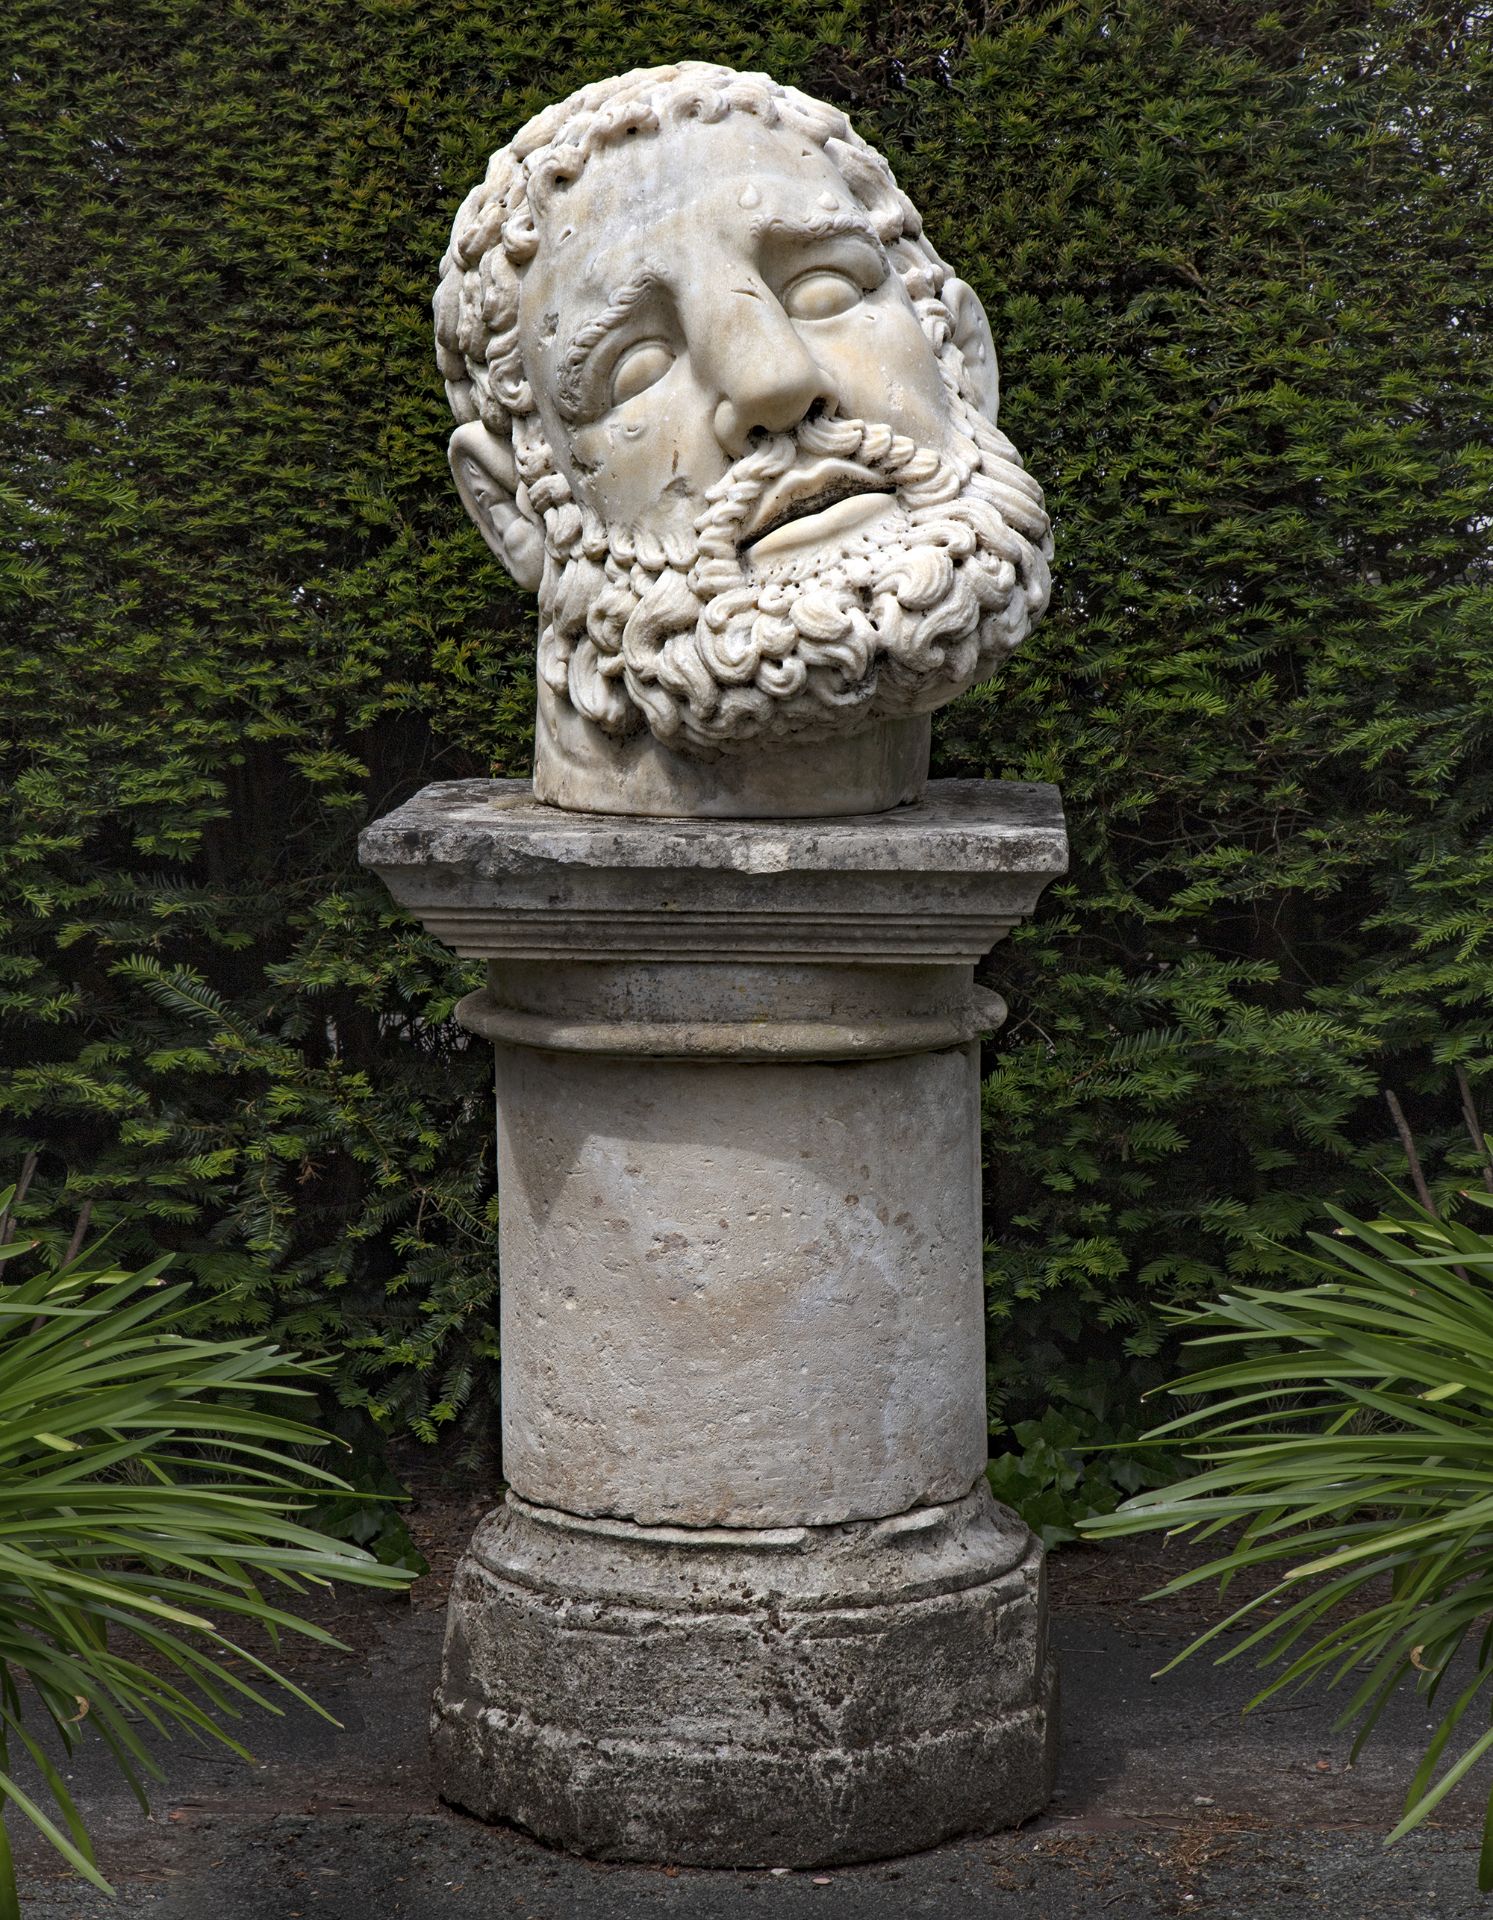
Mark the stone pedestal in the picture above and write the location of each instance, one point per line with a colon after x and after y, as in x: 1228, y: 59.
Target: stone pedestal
x: 748, y: 1600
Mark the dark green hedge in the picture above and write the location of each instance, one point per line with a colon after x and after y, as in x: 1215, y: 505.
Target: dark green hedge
x: 1236, y: 259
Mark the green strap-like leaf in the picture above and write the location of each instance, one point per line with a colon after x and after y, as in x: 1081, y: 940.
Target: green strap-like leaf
x: 49, y: 1830
x: 10, y: 1899
x: 1430, y: 1801
x: 56, y: 1787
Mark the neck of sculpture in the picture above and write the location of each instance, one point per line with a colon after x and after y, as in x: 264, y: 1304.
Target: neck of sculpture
x: 581, y: 769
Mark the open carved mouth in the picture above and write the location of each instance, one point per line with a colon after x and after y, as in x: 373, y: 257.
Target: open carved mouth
x: 803, y: 494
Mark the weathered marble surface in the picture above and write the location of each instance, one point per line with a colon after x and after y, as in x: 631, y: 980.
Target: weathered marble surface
x: 748, y: 1599
x: 738, y: 1139
x: 723, y: 406
x: 498, y: 876
x: 880, y: 765
x: 799, y: 1696
x: 752, y: 1295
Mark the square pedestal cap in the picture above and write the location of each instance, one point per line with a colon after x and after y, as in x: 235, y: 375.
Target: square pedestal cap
x: 500, y: 876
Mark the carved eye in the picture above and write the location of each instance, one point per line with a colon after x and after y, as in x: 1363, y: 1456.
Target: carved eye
x: 821, y: 295
x: 640, y: 368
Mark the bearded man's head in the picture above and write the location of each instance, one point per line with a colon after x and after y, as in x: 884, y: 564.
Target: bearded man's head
x: 724, y: 406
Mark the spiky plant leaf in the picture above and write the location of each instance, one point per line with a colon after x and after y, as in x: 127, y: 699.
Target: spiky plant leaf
x: 1343, y: 1426
x: 149, y: 1494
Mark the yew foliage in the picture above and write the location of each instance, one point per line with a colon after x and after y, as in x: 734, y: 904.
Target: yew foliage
x: 1236, y: 258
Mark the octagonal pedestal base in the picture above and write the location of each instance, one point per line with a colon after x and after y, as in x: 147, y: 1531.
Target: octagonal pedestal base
x: 791, y: 1696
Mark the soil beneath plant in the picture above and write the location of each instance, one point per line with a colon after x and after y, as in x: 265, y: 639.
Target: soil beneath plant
x: 1170, y: 1800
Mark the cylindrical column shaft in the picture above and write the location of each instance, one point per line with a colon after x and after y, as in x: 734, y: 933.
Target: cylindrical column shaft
x: 740, y: 1295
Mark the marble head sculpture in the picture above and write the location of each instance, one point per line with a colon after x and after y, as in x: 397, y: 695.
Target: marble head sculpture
x: 723, y: 406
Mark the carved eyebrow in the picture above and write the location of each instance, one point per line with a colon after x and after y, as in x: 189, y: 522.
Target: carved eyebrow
x: 586, y: 339
x: 815, y: 226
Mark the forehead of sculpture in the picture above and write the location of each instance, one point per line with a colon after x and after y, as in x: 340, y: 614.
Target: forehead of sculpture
x: 695, y: 199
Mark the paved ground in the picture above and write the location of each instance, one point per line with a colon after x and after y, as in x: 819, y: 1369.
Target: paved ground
x: 1168, y: 1804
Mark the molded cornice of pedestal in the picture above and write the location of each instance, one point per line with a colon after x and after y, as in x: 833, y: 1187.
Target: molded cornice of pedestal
x: 498, y: 875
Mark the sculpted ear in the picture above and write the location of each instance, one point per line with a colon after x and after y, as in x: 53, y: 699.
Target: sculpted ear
x: 972, y: 336
x: 487, y: 480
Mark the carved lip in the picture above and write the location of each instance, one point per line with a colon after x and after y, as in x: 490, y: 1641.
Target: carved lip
x: 805, y: 492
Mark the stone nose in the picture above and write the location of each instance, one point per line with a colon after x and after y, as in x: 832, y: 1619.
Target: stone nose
x: 767, y: 378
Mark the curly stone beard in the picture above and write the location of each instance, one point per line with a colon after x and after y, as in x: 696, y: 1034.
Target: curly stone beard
x: 714, y: 653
